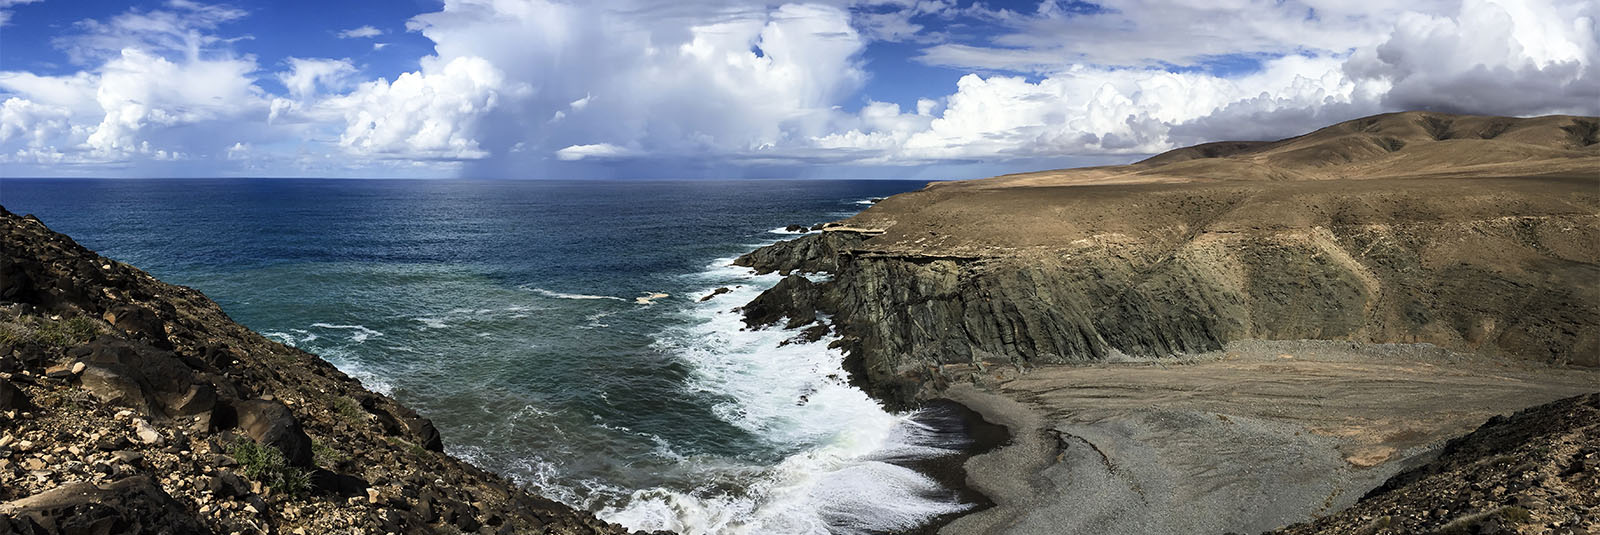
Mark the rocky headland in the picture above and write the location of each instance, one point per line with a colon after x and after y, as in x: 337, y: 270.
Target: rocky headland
x: 1237, y: 336
x: 128, y: 405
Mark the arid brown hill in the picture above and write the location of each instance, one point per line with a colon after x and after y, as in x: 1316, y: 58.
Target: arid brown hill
x: 1479, y: 234
x: 128, y: 405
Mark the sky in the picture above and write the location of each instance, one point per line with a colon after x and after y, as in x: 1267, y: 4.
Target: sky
x: 924, y: 89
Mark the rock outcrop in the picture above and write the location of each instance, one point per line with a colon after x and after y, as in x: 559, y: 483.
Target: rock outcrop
x: 1455, y: 237
x: 128, y: 405
x: 1536, y: 471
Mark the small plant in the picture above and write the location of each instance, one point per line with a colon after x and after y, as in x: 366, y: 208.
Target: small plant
x: 413, y: 448
x: 325, y: 455
x: 66, y: 333
x: 1516, y: 514
x: 348, y: 409
x: 267, y: 465
x: 10, y: 335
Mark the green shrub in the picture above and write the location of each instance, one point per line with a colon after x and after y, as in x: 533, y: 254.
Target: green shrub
x: 348, y: 409
x: 267, y: 465
x: 1516, y: 514
x: 11, y: 335
x: 325, y: 455
x: 66, y: 333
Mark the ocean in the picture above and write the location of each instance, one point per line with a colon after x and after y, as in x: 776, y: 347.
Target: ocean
x: 553, y: 331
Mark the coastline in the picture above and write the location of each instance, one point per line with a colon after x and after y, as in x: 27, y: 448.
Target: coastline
x: 1157, y: 455
x: 1180, y: 347
x: 951, y: 471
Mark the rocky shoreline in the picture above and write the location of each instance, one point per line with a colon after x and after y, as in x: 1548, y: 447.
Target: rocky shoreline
x: 128, y: 405
x: 1001, y: 293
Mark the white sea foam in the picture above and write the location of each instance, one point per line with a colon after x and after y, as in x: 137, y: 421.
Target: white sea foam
x: 562, y: 295
x: 782, y: 230
x: 353, y: 367
x: 649, y: 298
x: 792, y: 396
x: 360, y: 334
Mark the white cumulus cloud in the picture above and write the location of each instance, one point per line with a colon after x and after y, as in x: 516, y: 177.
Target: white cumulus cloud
x: 431, y: 113
x: 363, y: 32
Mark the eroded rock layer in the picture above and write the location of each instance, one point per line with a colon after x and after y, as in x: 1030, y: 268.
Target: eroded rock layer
x: 1396, y: 228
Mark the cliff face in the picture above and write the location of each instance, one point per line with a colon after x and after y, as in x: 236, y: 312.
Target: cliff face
x: 1149, y: 260
x: 128, y: 405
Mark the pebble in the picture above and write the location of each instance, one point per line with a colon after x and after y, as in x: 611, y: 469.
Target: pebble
x: 7, y: 440
x: 146, y: 433
x: 77, y: 368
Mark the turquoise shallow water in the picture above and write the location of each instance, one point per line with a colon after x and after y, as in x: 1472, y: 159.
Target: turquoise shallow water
x: 519, y: 316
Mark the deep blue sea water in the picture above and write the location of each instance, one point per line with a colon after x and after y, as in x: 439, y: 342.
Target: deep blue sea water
x: 526, y: 319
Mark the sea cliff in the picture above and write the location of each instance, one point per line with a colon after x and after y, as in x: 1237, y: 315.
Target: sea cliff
x: 1340, y: 302
x: 1150, y: 261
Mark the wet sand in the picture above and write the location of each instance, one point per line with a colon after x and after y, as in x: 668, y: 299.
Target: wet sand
x: 1251, y: 438
x: 979, y: 436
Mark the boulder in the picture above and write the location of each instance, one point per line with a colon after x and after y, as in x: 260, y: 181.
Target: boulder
x: 9, y: 362
x: 152, y: 381
x: 406, y: 422
x: 130, y: 505
x: 13, y: 398
x: 225, y: 484
x: 138, y: 321
x: 270, y: 423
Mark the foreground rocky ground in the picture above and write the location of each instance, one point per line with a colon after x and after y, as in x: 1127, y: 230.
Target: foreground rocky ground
x: 128, y: 405
x: 1456, y: 258
x: 1536, y: 471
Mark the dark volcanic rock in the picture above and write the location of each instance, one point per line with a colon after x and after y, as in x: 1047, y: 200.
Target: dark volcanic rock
x: 139, y: 322
x: 270, y: 423
x: 132, y: 505
x: 227, y: 484
x: 794, y: 297
x: 155, y: 382
x: 714, y: 293
x: 13, y: 398
x: 810, y: 253
x: 1538, y: 467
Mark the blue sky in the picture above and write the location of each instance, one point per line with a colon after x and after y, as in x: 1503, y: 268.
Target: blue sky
x: 706, y: 88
